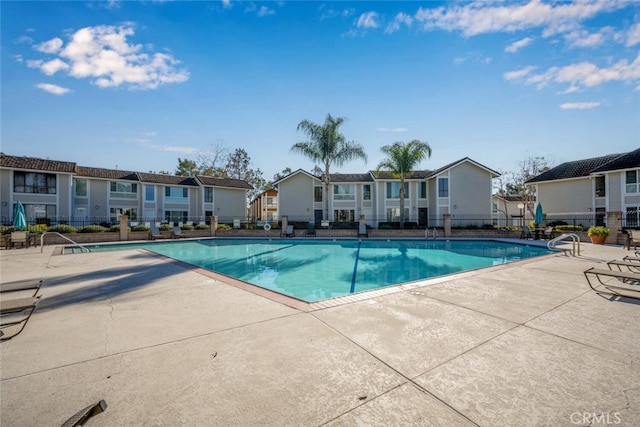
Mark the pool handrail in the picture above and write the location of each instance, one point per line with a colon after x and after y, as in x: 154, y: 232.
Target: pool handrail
x: 551, y: 244
x: 61, y: 235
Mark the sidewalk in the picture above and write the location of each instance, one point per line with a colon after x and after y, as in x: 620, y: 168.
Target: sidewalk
x: 527, y: 344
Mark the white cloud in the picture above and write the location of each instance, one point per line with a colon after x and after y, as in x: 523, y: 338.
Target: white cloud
x: 481, y: 17
x: 54, y: 89
x: 53, y: 66
x: 475, y: 57
x: 227, y: 4
x: 392, y: 129
x: 265, y: 11
x: 104, y: 55
x: 579, y: 105
x: 582, y: 38
x: 633, y: 36
x: 51, y: 46
x: 518, y: 74
x: 517, y: 45
x: 23, y: 40
x: 368, y: 20
x: 581, y: 75
x: 398, y: 21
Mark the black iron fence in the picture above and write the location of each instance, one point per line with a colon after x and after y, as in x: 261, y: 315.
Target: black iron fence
x: 585, y: 220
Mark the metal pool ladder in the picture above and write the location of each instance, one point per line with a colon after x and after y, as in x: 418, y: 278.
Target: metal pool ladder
x: 64, y: 237
x: 551, y: 244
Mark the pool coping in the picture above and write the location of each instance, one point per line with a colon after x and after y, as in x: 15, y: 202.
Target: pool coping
x: 307, y: 307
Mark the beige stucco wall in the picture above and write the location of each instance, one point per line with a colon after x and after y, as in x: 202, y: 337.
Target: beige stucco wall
x: 295, y: 197
x: 470, y: 192
x: 229, y: 203
x: 6, y: 208
x: 572, y: 195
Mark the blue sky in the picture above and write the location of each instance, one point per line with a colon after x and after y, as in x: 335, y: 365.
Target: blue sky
x: 137, y: 85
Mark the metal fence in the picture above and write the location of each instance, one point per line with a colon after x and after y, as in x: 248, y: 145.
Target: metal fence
x: 630, y: 219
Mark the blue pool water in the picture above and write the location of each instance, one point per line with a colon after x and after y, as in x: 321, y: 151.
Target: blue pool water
x: 313, y: 270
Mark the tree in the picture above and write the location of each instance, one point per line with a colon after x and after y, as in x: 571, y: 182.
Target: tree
x: 238, y: 167
x: 529, y: 168
x: 187, y: 168
x: 327, y: 146
x: 277, y: 177
x: 401, y: 160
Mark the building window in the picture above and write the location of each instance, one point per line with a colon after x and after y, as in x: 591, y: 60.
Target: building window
x: 393, y: 190
x: 33, y: 182
x: 176, y: 192
x: 344, y: 192
x: 123, y: 190
x: 317, y: 194
x: 393, y: 214
x: 443, y: 187
x: 80, y: 187
x: 366, y: 192
x: 343, y: 215
x: 422, y: 190
x: 632, y: 217
x: 631, y: 181
x: 114, y: 214
x: 176, y: 216
x: 600, y: 190
x: 149, y: 193
x: 494, y: 207
x: 271, y: 201
x: 208, y: 194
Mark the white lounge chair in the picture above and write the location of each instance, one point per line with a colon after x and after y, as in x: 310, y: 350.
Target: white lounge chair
x: 288, y: 232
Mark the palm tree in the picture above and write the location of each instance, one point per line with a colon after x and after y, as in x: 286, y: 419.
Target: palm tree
x: 327, y: 146
x: 400, y: 161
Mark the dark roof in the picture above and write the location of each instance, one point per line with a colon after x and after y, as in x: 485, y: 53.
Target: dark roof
x: 106, y: 173
x: 33, y: 163
x: 575, y: 169
x: 388, y: 175
x: 224, y: 182
x: 156, y: 178
x: 350, y: 177
x: 625, y: 161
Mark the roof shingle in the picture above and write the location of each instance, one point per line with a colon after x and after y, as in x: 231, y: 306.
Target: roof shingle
x: 34, y: 163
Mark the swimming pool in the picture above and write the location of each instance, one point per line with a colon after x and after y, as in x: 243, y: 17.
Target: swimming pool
x: 314, y: 270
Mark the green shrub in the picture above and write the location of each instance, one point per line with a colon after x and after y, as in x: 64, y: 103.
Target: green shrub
x: 114, y: 229
x: 187, y: 227
x: 165, y: 227
x: 140, y: 228
x: 568, y: 228
x: 63, y: 228
x: 93, y: 229
x: 224, y: 227
x: 598, y: 231
x: 202, y: 227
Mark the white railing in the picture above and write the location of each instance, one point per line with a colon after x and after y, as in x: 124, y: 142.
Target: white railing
x: 64, y: 237
x: 551, y: 244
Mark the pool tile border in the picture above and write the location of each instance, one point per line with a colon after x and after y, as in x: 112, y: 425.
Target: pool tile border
x: 305, y: 306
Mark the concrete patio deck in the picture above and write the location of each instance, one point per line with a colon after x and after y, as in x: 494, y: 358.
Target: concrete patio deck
x: 527, y: 344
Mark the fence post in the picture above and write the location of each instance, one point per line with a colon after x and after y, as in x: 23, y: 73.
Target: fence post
x: 614, y: 223
x: 447, y: 224
x: 124, y: 227
x: 213, y: 224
